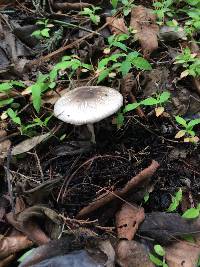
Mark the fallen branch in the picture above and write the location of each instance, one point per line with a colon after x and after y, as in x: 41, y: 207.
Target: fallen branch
x: 109, y: 196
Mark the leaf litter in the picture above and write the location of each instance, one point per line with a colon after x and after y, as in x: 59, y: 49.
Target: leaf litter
x: 105, y: 205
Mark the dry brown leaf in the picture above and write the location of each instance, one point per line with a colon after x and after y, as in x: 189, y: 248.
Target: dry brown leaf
x: 128, y: 220
x: 159, y: 111
x: 13, y: 243
x: 132, y: 254
x: 183, y: 254
x: 143, y: 21
x: 4, y: 146
x: 52, y: 96
x: 28, y: 144
x: 116, y: 25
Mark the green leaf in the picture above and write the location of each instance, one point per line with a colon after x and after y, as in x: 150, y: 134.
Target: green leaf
x: 120, y: 45
x: 179, y: 195
x: 164, y: 97
x: 119, y: 120
x: 155, y: 260
x: 149, y: 101
x: 36, y: 90
x: 159, y: 250
x: 25, y: 255
x: 45, y: 32
x: 13, y: 115
x: 125, y: 67
x: 130, y: 107
x: 141, y: 63
x: 191, y: 213
x: 36, y: 33
x: 192, y: 123
x: 173, y: 206
x: 6, y: 102
x: 146, y: 197
x: 102, y: 75
x: 5, y: 87
x: 114, y: 3
x: 181, y: 121
x: 18, y: 83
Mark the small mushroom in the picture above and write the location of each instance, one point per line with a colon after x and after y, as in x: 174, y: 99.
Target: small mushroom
x: 87, y: 105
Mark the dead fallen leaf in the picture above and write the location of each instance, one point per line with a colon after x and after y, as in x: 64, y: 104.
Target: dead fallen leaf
x: 128, y: 219
x: 132, y: 254
x: 183, y: 254
x: 7, y: 261
x: 143, y: 21
x: 116, y: 25
x: 159, y: 111
x: 13, y: 243
x: 27, y: 222
x: 52, y: 96
x: 159, y: 226
x: 4, y: 146
x: 28, y: 144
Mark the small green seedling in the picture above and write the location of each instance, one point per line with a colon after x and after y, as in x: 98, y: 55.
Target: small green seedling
x: 176, y: 200
x: 120, y: 63
x: 146, y: 197
x: 190, y: 62
x: 127, y: 6
x: 159, y: 259
x: 117, y: 41
x: 188, y: 133
x: 163, y: 8
x: 25, y: 255
x: 91, y: 13
x: 158, y: 101
x: 45, y: 29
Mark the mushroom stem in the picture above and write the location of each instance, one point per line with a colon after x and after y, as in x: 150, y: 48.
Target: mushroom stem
x: 90, y: 127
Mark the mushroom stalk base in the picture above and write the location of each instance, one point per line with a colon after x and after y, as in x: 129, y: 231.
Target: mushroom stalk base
x: 90, y: 127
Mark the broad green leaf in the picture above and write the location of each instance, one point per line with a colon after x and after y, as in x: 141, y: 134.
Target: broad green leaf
x: 45, y: 32
x: 120, y: 45
x: 5, y: 86
x: 18, y: 83
x: 155, y: 260
x: 114, y: 3
x: 149, y: 101
x: 181, y: 121
x: 6, y: 102
x: 159, y: 250
x: 130, y: 107
x: 125, y: 67
x: 191, y: 213
x: 192, y: 123
x: 13, y: 115
x: 36, y: 33
x: 141, y: 63
x: 164, y: 97
x: 173, y: 206
x: 102, y: 75
x: 36, y: 90
x: 179, y: 195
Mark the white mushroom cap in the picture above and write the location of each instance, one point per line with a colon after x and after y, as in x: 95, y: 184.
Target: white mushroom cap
x: 88, y: 104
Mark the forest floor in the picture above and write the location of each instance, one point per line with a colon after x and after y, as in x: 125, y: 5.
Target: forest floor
x: 131, y: 199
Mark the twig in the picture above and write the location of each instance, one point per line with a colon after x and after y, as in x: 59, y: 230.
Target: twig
x: 134, y: 182
x: 8, y: 177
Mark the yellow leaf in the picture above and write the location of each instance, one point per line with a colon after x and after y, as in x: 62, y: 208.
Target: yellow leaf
x: 184, y: 73
x: 106, y: 51
x: 194, y: 139
x: 159, y: 111
x: 180, y: 134
x: 187, y: 140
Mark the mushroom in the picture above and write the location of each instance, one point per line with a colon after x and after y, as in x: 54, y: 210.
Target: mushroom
x: 87, y: 105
